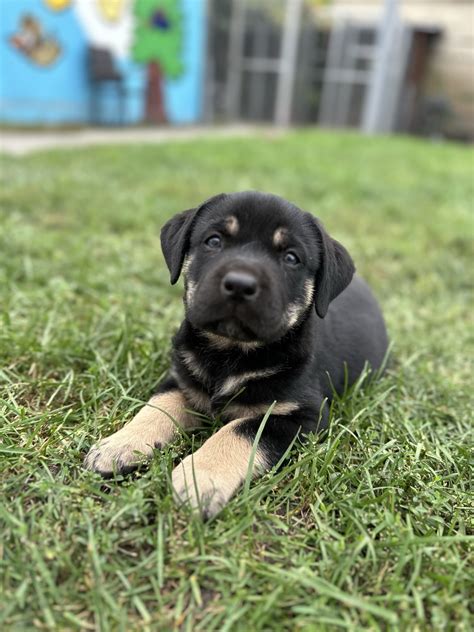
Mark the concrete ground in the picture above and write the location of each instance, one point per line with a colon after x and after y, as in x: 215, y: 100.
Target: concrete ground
x: 22, y: 142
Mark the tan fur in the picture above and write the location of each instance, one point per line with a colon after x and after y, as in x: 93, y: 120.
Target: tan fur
x: 241, y: 410
x: 190, y: 292
x: 232, y: 225
x: 294, y: 311
x: 280, y: 237
x: 186, y: 265
x: 234, y: 382
x: 156, y: 424
x: 192, y: 364
x: 208, y: 479
x: 221, y: 343
x: 197, y: 399
x: 308, y: 292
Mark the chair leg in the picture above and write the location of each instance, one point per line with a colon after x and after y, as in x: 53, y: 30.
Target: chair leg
x: 121, y: 91
x: 93, y: 104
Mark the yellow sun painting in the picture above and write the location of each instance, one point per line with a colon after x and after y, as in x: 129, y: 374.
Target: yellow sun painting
x: 111, y: 9
x: 57, y: 5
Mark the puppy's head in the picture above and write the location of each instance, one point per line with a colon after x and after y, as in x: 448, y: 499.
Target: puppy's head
x: 254, y: 265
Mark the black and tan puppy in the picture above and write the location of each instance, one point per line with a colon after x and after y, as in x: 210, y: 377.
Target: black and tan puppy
x: 272, y: 312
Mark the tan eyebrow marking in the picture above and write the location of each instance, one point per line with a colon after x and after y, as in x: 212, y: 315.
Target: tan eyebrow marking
x: 232, y: 225
x: 280, y: 237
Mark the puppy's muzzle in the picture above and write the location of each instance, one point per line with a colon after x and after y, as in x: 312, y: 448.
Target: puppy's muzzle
x: 240, y: 299
x: 240, y: 286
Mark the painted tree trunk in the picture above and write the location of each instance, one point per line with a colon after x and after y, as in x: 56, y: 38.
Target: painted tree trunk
x: 155, y: 109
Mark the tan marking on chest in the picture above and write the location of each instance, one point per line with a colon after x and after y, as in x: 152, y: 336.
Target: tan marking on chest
x: 255, y: 410
x: 197, y: 399
x: 194, y: 367
x: 222, y: 344
x: 234, y: 382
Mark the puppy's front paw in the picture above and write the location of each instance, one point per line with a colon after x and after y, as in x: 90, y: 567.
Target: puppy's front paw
x: 204, y: 489
x: 120, y: 453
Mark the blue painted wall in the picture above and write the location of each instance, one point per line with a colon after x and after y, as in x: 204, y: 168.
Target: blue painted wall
x: 59, y: 93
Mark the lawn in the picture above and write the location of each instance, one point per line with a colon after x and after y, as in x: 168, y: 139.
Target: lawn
x: 370, y: 529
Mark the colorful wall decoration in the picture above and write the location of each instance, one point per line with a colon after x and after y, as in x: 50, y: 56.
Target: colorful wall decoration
x: 157, y: 48
x: 38, y: 47
x: 158, y: 42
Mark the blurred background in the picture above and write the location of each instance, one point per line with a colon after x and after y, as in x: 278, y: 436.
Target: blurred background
x: 381, y: 66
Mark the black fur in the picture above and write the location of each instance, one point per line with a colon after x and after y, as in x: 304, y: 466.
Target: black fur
x: 175, y: 241
x: 335, y: 271
x: 310, y: 351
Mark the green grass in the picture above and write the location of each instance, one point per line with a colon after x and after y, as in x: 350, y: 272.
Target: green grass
x: 371, y: 529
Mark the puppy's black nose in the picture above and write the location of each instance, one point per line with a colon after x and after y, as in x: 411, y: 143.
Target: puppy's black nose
x: 240, y: 285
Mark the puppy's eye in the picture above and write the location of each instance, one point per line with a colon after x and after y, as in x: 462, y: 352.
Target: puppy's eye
x: 214, y: 242
x: 290, y: 258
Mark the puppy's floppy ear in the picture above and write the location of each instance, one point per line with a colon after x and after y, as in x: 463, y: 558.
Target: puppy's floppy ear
x: 335, y: 271
x: 176, y: 236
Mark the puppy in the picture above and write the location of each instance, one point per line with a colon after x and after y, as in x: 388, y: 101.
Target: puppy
x: 272, y: 313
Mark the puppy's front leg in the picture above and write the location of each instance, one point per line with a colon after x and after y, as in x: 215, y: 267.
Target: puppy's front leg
x: 155, y: 425
x: 207, y: 479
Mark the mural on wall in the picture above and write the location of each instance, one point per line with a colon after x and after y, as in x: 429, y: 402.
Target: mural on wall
x: 107, y: 25
x: 156, y: 45
x: 111, y: 9
x: 57, y: 5
x: 31, y: 41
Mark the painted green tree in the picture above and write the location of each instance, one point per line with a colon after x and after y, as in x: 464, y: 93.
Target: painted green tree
x: 158, y: 43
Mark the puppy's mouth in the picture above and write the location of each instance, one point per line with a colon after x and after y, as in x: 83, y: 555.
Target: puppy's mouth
x: 232, y: 328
